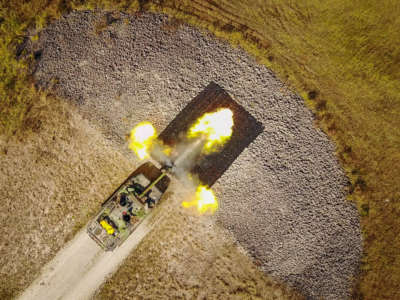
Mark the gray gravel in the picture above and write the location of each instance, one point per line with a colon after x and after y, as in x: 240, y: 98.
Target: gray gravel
x: 283, y: 198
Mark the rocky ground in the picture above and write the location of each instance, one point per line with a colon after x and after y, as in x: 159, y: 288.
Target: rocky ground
x: 284, y: 197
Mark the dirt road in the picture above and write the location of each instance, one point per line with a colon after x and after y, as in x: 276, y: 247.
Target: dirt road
x: 81, y: 267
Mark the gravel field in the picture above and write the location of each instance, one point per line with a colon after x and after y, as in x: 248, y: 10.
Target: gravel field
x: 283, y: 198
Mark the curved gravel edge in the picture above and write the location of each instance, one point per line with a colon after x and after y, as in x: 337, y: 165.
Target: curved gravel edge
x: 284, y: 197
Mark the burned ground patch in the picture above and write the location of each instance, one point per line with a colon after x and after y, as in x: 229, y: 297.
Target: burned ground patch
x: 245, y: 129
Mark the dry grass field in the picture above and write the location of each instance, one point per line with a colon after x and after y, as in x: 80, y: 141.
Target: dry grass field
x: 342, y: 57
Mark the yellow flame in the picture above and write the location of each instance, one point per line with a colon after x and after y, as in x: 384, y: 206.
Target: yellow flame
x: 167, y: 150
x: 141, y: 138
x: 216, y: 127
x: 205, y: 200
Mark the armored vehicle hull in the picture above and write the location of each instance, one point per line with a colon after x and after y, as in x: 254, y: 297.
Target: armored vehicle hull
x: 128, y: 206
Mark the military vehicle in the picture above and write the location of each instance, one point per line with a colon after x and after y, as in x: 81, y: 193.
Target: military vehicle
x: 127, y: 207
x: 123, y: 211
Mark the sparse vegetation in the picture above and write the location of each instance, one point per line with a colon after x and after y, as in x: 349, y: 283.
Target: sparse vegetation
x: 341, y: 56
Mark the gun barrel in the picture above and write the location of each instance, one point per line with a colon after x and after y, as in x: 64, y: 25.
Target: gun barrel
x: 153, y: 184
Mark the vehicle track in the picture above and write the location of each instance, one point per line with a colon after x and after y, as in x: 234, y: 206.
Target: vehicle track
x: 81, y: 267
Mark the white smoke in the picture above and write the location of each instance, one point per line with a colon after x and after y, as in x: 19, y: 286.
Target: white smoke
x: 181, y: 159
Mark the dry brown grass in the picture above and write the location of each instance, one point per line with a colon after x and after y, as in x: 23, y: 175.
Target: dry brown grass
x: 52, y: 181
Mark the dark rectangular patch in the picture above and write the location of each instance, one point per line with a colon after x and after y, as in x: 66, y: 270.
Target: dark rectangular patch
x: 245, y: 129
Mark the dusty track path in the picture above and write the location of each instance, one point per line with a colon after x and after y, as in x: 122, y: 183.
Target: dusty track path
x: 81, y: 267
